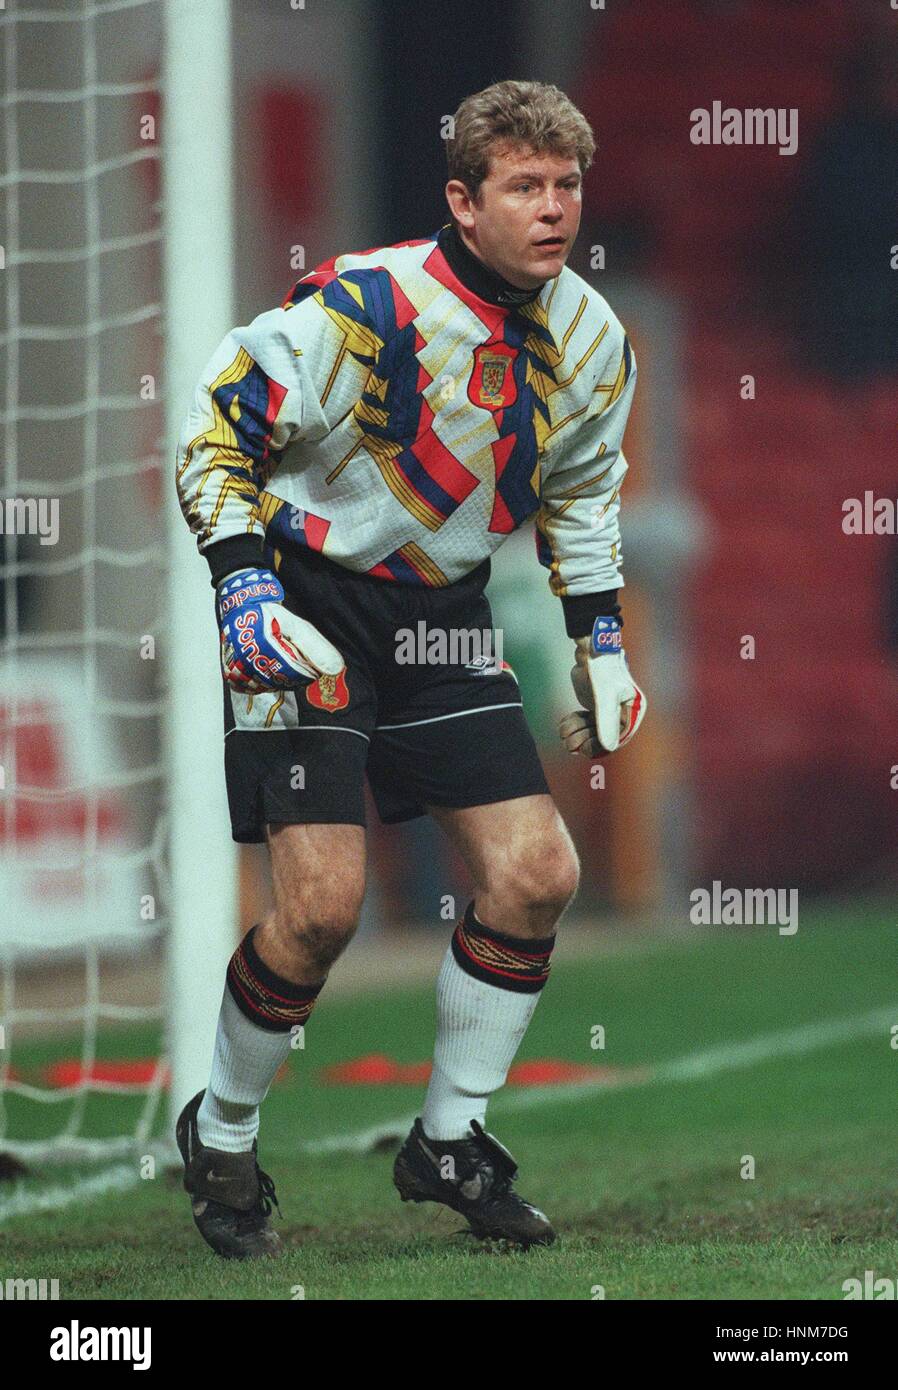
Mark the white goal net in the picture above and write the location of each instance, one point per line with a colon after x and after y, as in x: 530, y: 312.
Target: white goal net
x: 83, y: 578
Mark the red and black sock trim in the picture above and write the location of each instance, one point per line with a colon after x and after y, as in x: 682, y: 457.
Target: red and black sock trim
x: 508, y: 962
x: 268, y: 1001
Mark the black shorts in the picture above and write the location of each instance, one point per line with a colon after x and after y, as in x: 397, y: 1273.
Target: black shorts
x: 448, y: 733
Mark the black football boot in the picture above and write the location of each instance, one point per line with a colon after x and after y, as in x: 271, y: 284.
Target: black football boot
x: 477, y: 1184
x: 231, y: 1196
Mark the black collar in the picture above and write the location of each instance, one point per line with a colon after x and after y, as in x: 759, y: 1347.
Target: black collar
x: 476, y: 276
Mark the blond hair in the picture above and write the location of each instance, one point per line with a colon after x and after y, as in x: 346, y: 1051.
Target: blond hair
x: 534, y: 114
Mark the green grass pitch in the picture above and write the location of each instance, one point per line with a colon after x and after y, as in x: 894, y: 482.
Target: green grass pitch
x: 643, y: 1182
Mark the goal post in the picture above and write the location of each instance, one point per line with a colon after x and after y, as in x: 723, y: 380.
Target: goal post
x: 198, y: 259
x: 118, y: 874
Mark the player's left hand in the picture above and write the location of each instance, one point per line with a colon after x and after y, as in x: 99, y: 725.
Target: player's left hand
x: 613, y: 704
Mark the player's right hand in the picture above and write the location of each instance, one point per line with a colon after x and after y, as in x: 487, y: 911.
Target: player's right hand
x: 264, y: 646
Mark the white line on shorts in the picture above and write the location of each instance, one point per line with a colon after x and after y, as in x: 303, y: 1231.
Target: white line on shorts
x: 459, y: 714
x: 335, y: 729
x: 297, y: 728
x: 693, y: 1066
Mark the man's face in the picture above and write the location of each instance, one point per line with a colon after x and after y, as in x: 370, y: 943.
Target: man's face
x: 527, y: 214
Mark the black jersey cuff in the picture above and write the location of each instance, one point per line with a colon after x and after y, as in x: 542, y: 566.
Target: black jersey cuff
x: 581, y: 611
x: 233, y: 553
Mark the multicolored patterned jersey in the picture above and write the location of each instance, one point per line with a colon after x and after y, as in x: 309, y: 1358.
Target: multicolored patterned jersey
x: 395, y: 420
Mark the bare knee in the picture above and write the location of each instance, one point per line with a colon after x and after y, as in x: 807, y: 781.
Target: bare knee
x: 548, y: 876
x: 319, y: 932
x: 532, y: 884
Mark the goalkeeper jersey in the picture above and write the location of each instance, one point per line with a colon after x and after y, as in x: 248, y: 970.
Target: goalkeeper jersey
x: 405, y: 410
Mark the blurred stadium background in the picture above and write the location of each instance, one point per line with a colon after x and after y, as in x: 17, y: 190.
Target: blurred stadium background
x: 723, y: 261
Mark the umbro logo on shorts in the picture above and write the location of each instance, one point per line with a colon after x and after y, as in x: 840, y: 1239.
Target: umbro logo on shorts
x: 483, y: 666
x: 488, y: 666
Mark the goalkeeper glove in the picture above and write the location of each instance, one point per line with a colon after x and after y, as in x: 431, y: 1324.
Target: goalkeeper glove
x: 265, y: 646
x: 613, y: 704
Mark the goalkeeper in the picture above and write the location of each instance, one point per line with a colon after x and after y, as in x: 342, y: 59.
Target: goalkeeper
x: 350, y: 462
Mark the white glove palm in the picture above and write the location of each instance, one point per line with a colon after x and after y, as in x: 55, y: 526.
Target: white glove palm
x: 613, y: 704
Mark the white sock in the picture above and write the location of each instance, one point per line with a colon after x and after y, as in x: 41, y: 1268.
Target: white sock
x: 247, y: 1055
x: 244, y: 1064
x: 479, y: 1030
